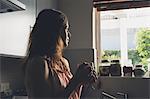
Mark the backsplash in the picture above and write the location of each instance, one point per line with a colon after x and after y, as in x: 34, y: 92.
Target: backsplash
x: 12, y: 79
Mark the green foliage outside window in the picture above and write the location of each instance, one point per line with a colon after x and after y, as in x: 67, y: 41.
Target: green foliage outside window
x: 115, y: 54
x: 110, y: 54
x: 134, y: 56
x: 143, y: 45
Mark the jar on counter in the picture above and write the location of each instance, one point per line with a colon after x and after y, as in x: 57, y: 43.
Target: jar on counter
x: 115, y: 68
x: 139, y: 71
x: 104, y: 68
x: 127, y: 71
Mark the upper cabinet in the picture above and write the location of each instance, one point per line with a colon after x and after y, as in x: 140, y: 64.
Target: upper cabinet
x: 11, y: 5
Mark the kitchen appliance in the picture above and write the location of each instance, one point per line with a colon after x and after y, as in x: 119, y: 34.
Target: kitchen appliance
x: 11, y: 5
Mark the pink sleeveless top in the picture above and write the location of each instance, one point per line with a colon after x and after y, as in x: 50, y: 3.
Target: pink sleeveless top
x: 65, y: 76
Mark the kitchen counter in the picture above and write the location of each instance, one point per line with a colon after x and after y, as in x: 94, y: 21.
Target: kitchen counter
x: 134, y: 87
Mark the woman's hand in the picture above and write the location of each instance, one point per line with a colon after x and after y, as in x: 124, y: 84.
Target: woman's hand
x: 85, y: 73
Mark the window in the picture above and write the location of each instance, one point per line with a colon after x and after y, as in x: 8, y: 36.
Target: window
x: 119, y: 29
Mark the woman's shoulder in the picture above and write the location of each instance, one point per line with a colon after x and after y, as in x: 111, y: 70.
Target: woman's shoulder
x: 35, y: 62
x: 36, y: 67
x: 65, y: 60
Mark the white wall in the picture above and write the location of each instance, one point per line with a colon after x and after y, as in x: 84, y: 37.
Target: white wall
x: 15, y: 26
x: 136, y: 22
x: 14, y: 31
x: 111, y: 35
x: 110, y: 38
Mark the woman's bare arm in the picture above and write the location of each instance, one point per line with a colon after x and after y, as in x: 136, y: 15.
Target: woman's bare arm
x: 37, y: 79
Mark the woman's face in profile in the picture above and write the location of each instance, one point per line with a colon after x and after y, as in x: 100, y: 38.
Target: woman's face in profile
x: 66, y: 35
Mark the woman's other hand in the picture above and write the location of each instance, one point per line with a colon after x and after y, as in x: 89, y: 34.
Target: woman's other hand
x: 85, y: 73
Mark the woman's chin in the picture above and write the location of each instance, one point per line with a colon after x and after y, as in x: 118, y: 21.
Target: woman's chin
x: 66, y: 44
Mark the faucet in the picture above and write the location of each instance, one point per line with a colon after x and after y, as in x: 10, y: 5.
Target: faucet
x: 108, y: 95
x: 123, y: 94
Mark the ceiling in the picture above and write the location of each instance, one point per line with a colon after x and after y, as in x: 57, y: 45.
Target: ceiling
x: 104, y: 5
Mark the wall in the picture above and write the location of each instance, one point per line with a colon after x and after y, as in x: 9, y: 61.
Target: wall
x: 110, y: 39
x: 111, y: 34
x: 15, y: 26
x: 79, y: 13
x: 46, y: 4
x: 81, y: 48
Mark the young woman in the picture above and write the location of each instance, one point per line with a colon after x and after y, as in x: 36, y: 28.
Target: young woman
x: 47, y: 72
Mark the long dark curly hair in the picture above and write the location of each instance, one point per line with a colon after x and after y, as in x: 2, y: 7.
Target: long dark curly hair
x: 45, y: 35
x: 44, y: 39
